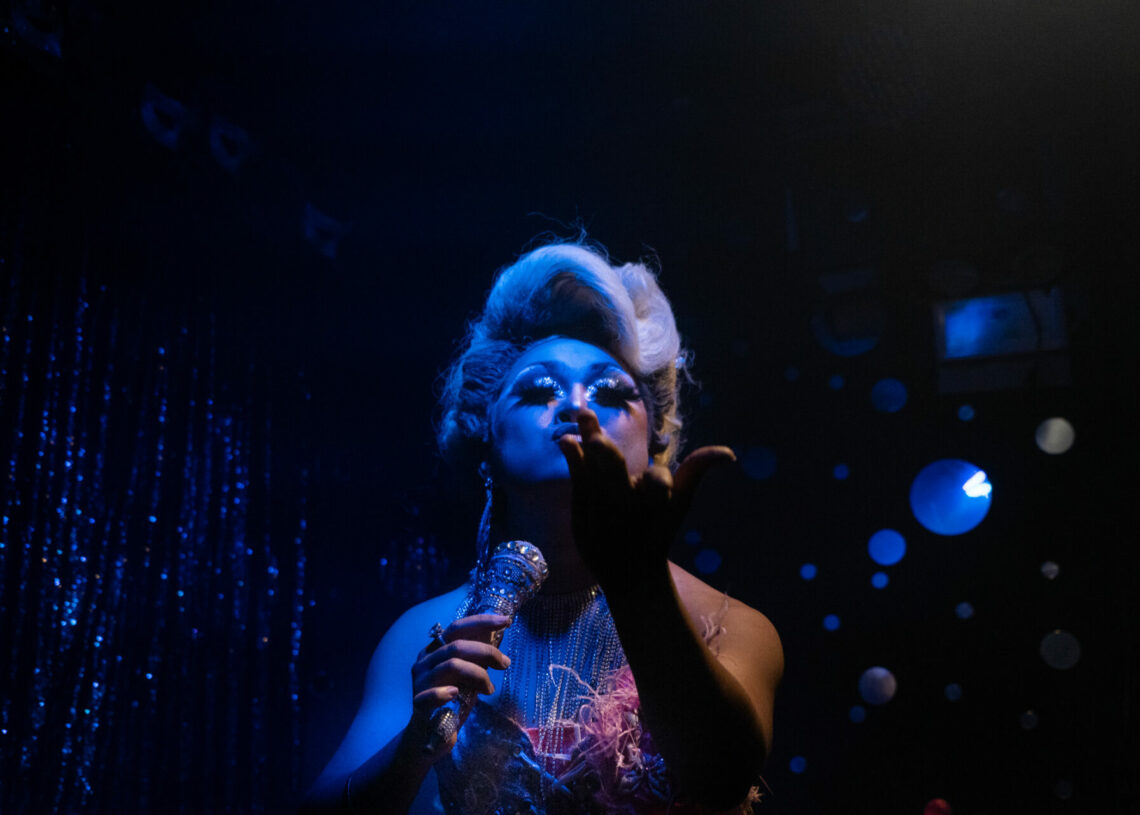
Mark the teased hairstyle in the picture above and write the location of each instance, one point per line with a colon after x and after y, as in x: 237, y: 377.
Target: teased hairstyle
x: 567, y: 289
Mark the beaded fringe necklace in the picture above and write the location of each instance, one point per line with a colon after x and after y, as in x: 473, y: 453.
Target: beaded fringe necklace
x: 558, y: 644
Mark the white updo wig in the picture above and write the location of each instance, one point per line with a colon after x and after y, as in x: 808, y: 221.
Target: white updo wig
x: 571, y: 290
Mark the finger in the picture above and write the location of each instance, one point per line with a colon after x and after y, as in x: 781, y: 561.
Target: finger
x: 481, y: 653
x: 588, y: 425
x: 603, y: 460
x: 428, y: 700
x: 475, y: 627
x: 575, y: 458
x: 458, y: 672
x: 693, y: 469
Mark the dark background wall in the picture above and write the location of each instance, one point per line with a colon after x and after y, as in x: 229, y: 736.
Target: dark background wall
x: 320, y: 193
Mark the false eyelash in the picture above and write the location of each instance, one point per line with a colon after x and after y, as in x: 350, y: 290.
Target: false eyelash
x: 612, y: 392
x: 540, y: 389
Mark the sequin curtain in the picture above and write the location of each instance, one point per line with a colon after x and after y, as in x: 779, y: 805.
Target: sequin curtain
x: 153, y: 563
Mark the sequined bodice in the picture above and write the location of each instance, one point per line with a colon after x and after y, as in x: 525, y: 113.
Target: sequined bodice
x: 511, y: 751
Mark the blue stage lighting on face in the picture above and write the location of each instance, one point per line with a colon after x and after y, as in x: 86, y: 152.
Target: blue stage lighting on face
x: 950, y: 496
x: 886, y: 547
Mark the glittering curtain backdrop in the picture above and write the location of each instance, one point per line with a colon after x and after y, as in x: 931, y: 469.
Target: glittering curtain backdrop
x: 152, y: 556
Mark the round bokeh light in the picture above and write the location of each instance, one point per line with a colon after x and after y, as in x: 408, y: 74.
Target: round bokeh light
x: 840, y: 472
x: 798, y: 764
x: 707, y: 561
x: 953, y: 692
x: 886, y: 547
x: 950, y: 496
x: 964, y: 610
x: 1060, y: 650
x: 808, y: 571
x: 888, y: 395
x: 880, y: 580
x: 877, y: 686
x: 1050, y: 570
x: 966, y: 413
x: 831, y: 622
x: 1055, y: 436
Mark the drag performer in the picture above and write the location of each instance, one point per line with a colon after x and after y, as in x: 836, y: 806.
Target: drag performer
x: 627, y: 684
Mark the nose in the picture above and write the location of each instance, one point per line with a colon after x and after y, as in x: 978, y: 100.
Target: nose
x: 571, y: 404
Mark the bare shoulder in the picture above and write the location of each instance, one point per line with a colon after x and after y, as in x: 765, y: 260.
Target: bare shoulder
x: 387, y: 701
x: 748, y: 638
x: 409, y: 633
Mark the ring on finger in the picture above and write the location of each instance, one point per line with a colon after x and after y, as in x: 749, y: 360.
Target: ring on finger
x: 436, y: 634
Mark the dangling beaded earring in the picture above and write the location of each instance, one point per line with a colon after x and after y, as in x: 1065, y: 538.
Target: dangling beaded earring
x: 483, y: 539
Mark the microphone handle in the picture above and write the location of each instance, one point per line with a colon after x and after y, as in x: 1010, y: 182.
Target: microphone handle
x: 446, y: 719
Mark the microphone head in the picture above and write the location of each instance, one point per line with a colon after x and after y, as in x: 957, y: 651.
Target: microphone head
x: 514, y: 574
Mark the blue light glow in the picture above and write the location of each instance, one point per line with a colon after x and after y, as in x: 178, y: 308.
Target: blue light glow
x: 857, y: 714
x: 966, y: 413
x: 831, y: 622
x: 950, y: 496
x: 976, y: 486
x: 836, y: 382
x: 808, y: 571
x: 707, y: 561
x: 888, y: 395
x: 880, y: 580
x: 841, y: 471
x: 985, y: 326
x: 886, y: 547
x: 797, y: 764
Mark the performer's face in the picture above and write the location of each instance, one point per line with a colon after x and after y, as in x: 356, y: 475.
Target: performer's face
x: 541, y: 398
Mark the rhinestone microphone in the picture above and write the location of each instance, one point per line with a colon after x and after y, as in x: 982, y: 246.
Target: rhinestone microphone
x: 514, y: 574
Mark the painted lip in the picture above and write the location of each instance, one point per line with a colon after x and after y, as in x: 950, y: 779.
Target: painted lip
x: 566, y: 429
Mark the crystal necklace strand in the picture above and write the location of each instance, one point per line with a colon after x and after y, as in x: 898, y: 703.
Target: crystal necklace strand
x: 573, y: 630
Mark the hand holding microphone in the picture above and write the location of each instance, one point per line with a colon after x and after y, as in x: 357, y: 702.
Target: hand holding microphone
x: 514, y: 573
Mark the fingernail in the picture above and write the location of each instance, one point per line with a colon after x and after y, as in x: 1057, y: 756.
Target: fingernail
x: 506, y: 662
x: 452, y: 693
